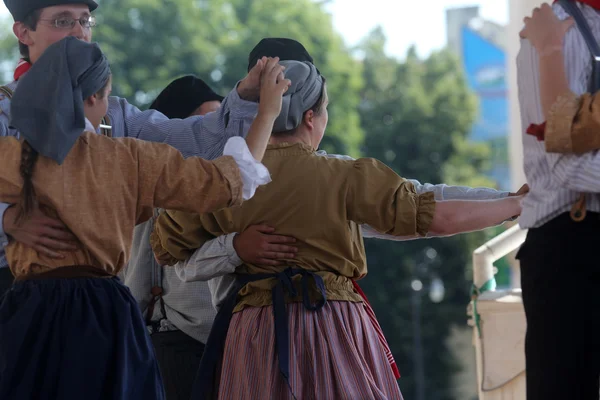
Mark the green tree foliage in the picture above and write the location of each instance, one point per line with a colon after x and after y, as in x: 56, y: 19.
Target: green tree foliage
x: 151, y: 42
x: 416, y: 115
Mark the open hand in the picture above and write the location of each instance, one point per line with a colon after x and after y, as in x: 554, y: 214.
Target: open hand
x: 44, y: 234
x: 544, y: 30
x: 249, y: 87
x: 272, y: 87
x: 259, y: 246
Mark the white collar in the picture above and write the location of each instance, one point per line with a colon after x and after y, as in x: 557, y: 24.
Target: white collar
x: 88, y: 126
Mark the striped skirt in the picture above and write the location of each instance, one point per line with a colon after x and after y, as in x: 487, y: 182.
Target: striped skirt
x: 335, y: 353
x: 75, y: 338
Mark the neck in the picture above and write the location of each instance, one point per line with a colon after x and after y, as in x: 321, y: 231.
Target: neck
x: 297, y: 137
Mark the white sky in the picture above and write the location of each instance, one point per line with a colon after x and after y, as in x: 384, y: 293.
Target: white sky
x: 420, y: 22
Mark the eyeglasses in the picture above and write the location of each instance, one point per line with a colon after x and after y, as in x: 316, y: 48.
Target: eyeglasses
x: 69, y: 22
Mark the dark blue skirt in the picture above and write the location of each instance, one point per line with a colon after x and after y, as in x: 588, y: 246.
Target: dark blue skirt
x: 75, y: 339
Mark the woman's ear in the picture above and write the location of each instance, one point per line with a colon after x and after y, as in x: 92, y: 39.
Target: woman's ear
x: 91, y: 101
x: 308, y: 118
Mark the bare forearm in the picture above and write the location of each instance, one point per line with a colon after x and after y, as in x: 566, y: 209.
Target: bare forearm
x: 259, y: 134
x: 456, y: 216
x: 553, y: 78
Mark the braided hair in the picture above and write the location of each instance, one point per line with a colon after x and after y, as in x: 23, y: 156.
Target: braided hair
x: 28, y: 200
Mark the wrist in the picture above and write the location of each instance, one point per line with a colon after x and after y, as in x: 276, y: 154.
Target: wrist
x: 245, y: 93
x: 266, y: 116
x: 516, y: 200
x: 550, y: 47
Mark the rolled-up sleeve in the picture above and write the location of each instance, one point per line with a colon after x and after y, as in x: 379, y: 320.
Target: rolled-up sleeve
x: 377, y: 196
x: 176, y: 236
x: 573, y: 124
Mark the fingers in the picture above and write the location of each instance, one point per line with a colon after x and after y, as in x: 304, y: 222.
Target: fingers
x: 568, y: 23
x: 523, y: 34
x: 284, y: 85
x: 274, y: 74
x: 54, y: 244
x: 281, y: 248
x: 270, y: 65
x: 274, y: 255
x: 279, y: 239
x: 266, y: 261
x: 51, y: 222
x: 47, y: 252
x: 57, y: 238
x: 263, y: 228
x: 57, y: 234
x: 259, y: 67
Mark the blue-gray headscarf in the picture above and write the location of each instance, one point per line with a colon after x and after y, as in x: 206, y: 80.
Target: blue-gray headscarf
x: 47, y: 107
x: 306, y: 89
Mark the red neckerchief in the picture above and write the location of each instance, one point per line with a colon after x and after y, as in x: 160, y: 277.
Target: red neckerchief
x: 22, y: 67
x: 539, y: 130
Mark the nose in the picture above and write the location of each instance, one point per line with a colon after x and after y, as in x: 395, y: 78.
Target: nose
x: 79, y: 31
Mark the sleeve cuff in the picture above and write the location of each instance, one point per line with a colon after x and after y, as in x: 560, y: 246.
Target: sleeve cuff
x: 3, y: 235
x: 163, y: 257
x: 559, y: 124
x: 234, y: 259
x: 231, y: 171
x: 253, y: 173
x: 239, y: 108
x: 425, y: 211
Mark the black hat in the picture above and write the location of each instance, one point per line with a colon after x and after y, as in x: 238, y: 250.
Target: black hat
x: 183, y: 96
x: 285, y: 49
x: 20, y: 9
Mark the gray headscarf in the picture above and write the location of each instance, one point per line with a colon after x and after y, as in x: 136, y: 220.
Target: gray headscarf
x: 47, y: 107
x: 306, y: 88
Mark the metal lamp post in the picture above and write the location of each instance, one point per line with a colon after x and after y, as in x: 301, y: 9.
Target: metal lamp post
x: 436, y: 295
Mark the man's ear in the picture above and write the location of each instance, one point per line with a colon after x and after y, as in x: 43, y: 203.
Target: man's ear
x: 21, y: 31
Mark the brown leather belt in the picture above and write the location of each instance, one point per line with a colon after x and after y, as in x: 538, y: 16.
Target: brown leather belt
x: 71, y: 271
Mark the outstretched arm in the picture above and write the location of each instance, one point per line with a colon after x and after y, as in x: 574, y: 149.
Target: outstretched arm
x: 378, y: 196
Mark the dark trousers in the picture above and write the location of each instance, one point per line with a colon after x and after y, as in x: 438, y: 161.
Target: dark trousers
x: 178, y: 357
x: 6, y: 280
x: 560, y: 277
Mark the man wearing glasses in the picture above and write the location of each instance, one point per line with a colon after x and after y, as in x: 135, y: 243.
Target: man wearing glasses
x: 40, y: 23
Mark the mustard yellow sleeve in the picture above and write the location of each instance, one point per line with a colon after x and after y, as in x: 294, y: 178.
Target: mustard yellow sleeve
x: 377, y: 196
x: 176, y: 236
x: 167, y: 180
x: 573, y: 124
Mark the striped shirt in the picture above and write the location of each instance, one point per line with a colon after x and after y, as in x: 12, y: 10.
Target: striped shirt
x: 195, y: 136
x: 556, y: 180
x: 187, y: 306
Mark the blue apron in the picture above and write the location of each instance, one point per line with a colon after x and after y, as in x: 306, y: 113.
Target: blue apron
x: 205, y: 384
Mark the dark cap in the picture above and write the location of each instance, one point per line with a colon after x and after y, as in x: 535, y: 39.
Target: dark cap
x: 20, y: 9
x: 285, y: 49
x: 183, y: 96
